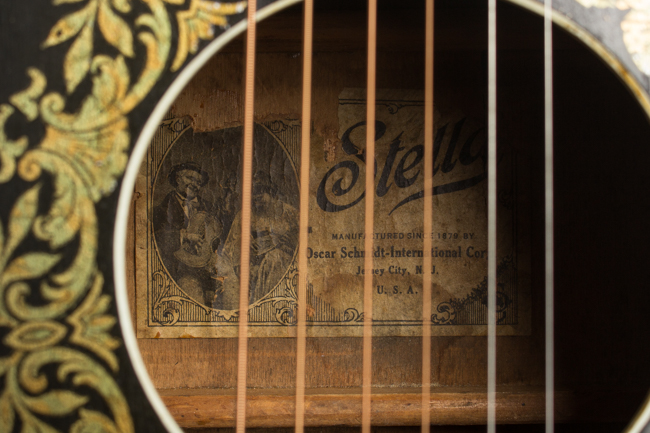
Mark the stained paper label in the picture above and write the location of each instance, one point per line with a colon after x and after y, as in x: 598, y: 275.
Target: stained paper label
x: 188, y: 227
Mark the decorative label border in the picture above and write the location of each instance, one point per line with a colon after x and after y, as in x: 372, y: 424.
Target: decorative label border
x: 171, y: 313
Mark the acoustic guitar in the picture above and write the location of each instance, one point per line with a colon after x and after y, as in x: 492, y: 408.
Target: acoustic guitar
x: 85, y: 87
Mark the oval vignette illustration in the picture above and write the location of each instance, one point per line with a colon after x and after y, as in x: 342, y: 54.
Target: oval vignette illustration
x: 194, y: 214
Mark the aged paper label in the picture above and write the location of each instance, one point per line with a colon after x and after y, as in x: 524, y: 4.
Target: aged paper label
x: 188, y: 228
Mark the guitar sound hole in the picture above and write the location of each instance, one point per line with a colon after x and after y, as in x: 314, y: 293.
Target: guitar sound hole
x: 601, y: 229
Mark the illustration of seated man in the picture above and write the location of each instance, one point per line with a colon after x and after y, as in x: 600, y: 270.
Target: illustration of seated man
x: 187, y: 233
x: 274, y: 238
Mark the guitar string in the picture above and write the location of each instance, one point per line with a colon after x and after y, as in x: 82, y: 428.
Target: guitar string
x: 427, y: 215
x: 247, y: 175
x: 492, y: 219
x: 369, y: 217
x: 548, y: 210
x: 301, y: 342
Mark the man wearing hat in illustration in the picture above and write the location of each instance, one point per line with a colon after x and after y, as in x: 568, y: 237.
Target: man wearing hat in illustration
x: 187, y: 234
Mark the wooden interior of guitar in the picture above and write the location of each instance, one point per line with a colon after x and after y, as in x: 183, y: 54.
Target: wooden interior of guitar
x: 601, y: 232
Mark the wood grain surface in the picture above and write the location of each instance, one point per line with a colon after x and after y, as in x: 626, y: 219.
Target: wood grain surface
x: 341, y: 407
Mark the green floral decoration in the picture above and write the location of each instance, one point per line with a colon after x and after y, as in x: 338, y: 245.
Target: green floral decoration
x: 82, y: 155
